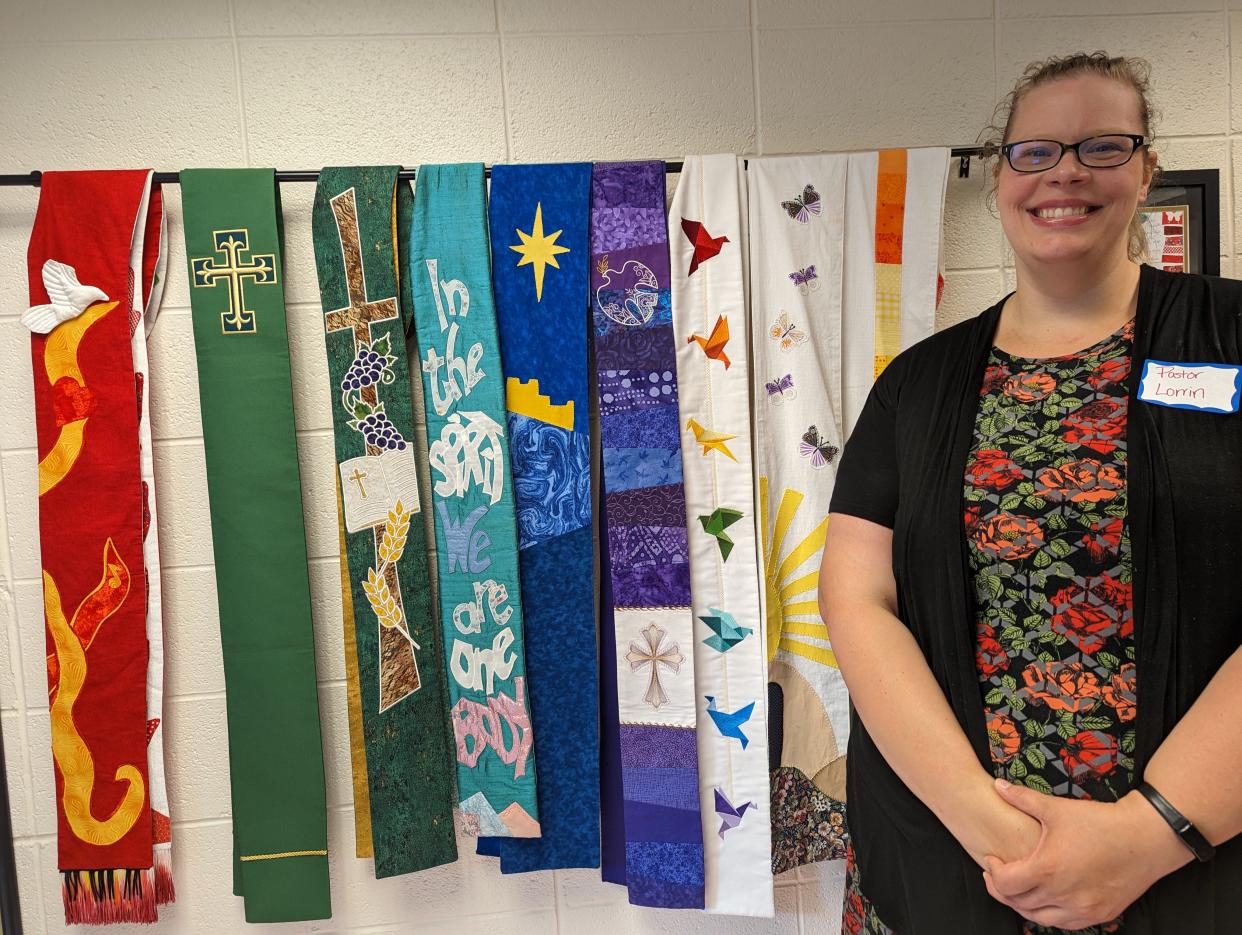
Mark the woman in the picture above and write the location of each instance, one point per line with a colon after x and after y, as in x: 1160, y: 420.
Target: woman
x: 1030, y: 578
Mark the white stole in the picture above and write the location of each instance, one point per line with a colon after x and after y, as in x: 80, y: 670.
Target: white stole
x: 826, y: 314
x: 707, y: 239
x: 144, y: 310
x: 797, y: 216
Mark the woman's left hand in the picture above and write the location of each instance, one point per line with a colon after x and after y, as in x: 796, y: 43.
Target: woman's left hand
x: 1092, y: 861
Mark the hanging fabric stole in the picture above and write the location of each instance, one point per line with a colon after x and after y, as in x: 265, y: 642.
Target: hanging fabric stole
x: 647, y: 615
x: 389, y: 622
x: 150, y: 275
x: 846, y: 278
x: 797, y: 215
x: 233, y: 250
x: 92, y: 258
x: 472, y: 496
x: 893, y: 247
x: 538, y: 217
x: 707, y: 231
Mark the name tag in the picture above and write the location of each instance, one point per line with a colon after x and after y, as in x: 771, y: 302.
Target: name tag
x: 1205, y: 387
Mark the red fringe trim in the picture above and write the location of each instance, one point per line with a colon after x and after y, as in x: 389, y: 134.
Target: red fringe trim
x: 106, y: 897
x: 164, y: 891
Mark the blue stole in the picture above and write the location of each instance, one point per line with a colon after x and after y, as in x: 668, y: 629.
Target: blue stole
x: 472, y: 501
x: 645, y: 617
x: 539, y: 217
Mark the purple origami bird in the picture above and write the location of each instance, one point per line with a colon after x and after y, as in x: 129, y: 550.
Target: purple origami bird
x: 730, y: 816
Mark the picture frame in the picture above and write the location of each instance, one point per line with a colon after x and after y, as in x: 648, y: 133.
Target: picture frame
x: 1181, y: 218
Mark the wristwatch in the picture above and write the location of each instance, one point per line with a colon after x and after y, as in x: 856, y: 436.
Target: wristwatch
x: 1182, y: 826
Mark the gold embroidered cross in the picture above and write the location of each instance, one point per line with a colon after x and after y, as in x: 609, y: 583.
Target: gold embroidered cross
x: 655, y: 654
x: 261, y: 269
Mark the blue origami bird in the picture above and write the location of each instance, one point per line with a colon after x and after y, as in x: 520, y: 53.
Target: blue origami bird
x: 730, y: 725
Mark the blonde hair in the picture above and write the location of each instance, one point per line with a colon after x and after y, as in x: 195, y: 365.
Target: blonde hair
x: 1134, y: 72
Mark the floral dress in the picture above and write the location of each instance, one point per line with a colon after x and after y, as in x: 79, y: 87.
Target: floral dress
x: 1049, y: 552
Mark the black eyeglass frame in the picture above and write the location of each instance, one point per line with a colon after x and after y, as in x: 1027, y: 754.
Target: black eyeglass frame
x: 1137, y: 139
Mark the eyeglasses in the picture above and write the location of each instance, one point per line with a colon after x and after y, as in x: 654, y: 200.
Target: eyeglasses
x: 1096, y: 152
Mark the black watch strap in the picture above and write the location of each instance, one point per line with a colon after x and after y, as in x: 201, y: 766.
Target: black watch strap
x: 1191, y: 836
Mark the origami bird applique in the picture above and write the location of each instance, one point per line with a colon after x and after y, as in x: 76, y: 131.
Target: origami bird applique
x: 69, y: 298
x: 714, y: 344
x: 705, y: 245
x: 726, y: 632
x: 711, y: 440
x: 730, y: 724
x: 730, y: 814
x: 716, y: 523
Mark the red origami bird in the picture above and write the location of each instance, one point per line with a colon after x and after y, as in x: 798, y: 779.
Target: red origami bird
x: 714, y: 345
x: 705, y: 245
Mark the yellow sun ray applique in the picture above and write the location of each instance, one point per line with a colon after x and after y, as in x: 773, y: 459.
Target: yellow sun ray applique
x: 791, y: 585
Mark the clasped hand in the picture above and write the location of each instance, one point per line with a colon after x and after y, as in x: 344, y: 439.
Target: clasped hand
x: 1091, y: 861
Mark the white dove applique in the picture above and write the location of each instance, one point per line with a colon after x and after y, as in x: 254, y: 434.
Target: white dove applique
x: 69, y: 298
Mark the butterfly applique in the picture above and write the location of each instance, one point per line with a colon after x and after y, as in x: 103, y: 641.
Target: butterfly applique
x: 806, y: 279
x: 786, y: 332
x: 802, y: 207
x: 816, y: 447
x: 781, y: 388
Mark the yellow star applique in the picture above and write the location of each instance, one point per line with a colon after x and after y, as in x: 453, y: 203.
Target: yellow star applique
x: 538, y: 250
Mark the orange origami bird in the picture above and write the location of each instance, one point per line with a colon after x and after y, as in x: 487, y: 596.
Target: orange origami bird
x: 714, y: 345
x: 705, y: 245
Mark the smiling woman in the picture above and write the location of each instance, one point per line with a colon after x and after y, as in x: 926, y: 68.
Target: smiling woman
x: 1038, y: 577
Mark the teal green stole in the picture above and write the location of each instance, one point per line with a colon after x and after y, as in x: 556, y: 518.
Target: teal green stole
x: 398, y: 654
x: 233, y: 247
x: 472, y: 496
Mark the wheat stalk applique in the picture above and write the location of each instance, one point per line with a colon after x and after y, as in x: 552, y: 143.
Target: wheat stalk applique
x: 391, y: 547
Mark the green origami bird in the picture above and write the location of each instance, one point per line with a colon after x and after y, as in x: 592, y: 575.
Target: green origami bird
x: 727, y: 633
x: 716, y: 524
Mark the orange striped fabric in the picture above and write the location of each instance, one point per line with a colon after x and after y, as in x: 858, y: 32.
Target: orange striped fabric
x: 890, y: 213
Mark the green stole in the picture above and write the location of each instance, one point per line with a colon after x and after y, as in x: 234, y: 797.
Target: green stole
x: 233, y: 247
x: 388, y: 616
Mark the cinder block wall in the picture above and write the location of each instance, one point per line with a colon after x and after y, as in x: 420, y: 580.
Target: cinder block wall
x: 304, y: 83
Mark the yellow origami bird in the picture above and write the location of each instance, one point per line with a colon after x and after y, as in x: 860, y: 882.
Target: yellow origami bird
x: 710, y: 439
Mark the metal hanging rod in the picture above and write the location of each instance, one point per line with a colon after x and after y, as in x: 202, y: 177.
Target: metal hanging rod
x: 963, y: 153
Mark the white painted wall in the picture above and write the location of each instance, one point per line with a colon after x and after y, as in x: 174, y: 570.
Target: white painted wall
x: 304, y: 83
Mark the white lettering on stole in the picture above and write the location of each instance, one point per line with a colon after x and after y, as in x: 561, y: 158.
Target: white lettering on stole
x: 460, y: 375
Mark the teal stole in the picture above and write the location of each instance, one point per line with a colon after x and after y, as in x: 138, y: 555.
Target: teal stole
x: 233, y: 247
x: 396, y: 642
x: 472, y: 497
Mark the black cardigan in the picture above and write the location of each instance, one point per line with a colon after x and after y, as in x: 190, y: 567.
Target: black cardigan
x: 903, y: 467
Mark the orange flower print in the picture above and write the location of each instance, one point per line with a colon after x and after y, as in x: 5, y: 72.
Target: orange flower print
x: 1109, y: 372
x: 1062, y: 686
x: 1030, y: 387
x: 1121, y: 693
x: 1082, y: 481
x: 1008, y: 537
x: 1090, y: 753
x: 1098, y: 425
x: 1117, y: 595
x: 990, y: 656
x: 992, y: 469
x: 1103, y: 538
x: 1003, y: 738
x: 994, y: 378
